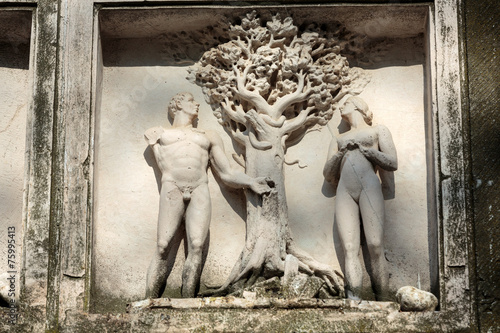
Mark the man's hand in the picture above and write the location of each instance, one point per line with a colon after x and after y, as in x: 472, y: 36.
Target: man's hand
x: 260, y: 185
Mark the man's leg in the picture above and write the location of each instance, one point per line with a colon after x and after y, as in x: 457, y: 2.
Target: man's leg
x: 169, y: 219
x: 198, y: 215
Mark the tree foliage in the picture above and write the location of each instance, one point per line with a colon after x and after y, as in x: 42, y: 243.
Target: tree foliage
x: 277, y: 77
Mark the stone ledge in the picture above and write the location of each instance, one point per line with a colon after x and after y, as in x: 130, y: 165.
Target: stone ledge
x: 261, y: 303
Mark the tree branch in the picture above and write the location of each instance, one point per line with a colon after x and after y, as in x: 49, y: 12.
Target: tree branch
x: 239, y: 137
x: 295, y: 123
x: 318, y: 50
x: 238, y: 115
x: 251, y: 96
x: 274, y: 42
x: 259, y: 126
x: 246, y: 49
x: 298, y: 95
x: 257, y: 123
x: 272, y: 122
x: 339, y: 96
x: 260, y: 145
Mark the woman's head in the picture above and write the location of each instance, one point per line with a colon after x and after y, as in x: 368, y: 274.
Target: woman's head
x: 361, y: 106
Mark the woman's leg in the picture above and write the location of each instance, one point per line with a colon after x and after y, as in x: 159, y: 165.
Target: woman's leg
x: 371, y: 204
x: 348, y: 226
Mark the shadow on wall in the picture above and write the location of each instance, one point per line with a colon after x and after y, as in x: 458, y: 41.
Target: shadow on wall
x: 15, y: 31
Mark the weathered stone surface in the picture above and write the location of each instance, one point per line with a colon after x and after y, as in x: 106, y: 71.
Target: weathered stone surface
x: 325, y: 293
x: 303, y: 286
x: 413, y: 299
x: 249, y: 295
x: 483, y: 61
x: 4, y: 288
x: 267, y: 288
x: 51, y: 56
x: 229, y: 302
x: 291, y: 268
x: 335, y: 316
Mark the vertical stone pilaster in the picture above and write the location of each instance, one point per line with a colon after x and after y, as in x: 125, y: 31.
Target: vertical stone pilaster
x: 75, y: 103
x: 36, y: 231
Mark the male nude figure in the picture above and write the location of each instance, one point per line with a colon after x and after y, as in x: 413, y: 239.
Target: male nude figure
x: 183, y: 154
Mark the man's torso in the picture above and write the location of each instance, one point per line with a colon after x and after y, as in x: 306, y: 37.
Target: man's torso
x: 182, y: 156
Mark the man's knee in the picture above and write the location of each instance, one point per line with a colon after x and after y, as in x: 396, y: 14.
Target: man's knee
x: 376, y: 248
x: 196, y: 246
x: 351, y: 250
x: 162, y: 249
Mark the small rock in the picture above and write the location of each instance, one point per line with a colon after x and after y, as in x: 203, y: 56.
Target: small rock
x: 267, y: 288
x: 413, y: 299
x: 304, y: 286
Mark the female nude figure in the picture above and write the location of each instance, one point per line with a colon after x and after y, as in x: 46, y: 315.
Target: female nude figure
x: 352, y: 157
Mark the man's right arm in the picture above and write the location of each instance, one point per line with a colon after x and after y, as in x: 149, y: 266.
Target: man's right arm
x: 152, y: 135
x: 236, y: 179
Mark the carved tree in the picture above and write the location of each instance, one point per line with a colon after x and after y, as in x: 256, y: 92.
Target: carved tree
x: 268, y: 86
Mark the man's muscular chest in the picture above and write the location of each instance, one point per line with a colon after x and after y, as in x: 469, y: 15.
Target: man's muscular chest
x: 182, y: 137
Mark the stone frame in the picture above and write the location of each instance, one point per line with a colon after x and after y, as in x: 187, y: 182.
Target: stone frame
x: 60, y: 174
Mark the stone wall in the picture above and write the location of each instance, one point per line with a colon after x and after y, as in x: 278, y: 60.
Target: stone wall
x: 79, y: 89
x: 481, y: 37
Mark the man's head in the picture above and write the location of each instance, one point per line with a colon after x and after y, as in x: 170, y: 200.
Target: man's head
x: 361, y: 106
x: 183, y: 102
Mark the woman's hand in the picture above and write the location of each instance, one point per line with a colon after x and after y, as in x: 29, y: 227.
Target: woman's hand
x: 367, y: 152
x: 348, y: 145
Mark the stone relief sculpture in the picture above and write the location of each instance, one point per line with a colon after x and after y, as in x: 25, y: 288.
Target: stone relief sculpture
x: 183, y: 154
x: 268, y: 86
x: 352, y: 160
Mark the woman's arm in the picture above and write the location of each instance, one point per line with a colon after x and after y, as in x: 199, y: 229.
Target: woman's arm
x: 386, y: 157
x: 331, y: 171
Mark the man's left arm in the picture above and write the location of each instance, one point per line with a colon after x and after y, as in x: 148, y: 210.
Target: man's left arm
x: 233, y: 178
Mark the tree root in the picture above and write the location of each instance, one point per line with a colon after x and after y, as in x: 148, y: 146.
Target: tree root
x: 333, y: 278
x: 256, y: 267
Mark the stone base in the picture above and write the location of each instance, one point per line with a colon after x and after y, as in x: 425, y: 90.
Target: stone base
x: 260, y: 303
x: 229, y: 314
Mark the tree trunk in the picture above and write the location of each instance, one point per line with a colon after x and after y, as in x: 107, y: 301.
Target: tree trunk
x: 267, y: 216
x: 268, y: 239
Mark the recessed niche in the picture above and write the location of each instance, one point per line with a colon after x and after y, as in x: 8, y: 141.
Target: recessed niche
x: 144, y: 56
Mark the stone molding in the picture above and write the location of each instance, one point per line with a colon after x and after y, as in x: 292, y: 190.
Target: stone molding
x: 65, y: 66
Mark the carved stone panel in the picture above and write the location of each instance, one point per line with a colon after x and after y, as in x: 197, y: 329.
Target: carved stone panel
x: 147, y: 59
